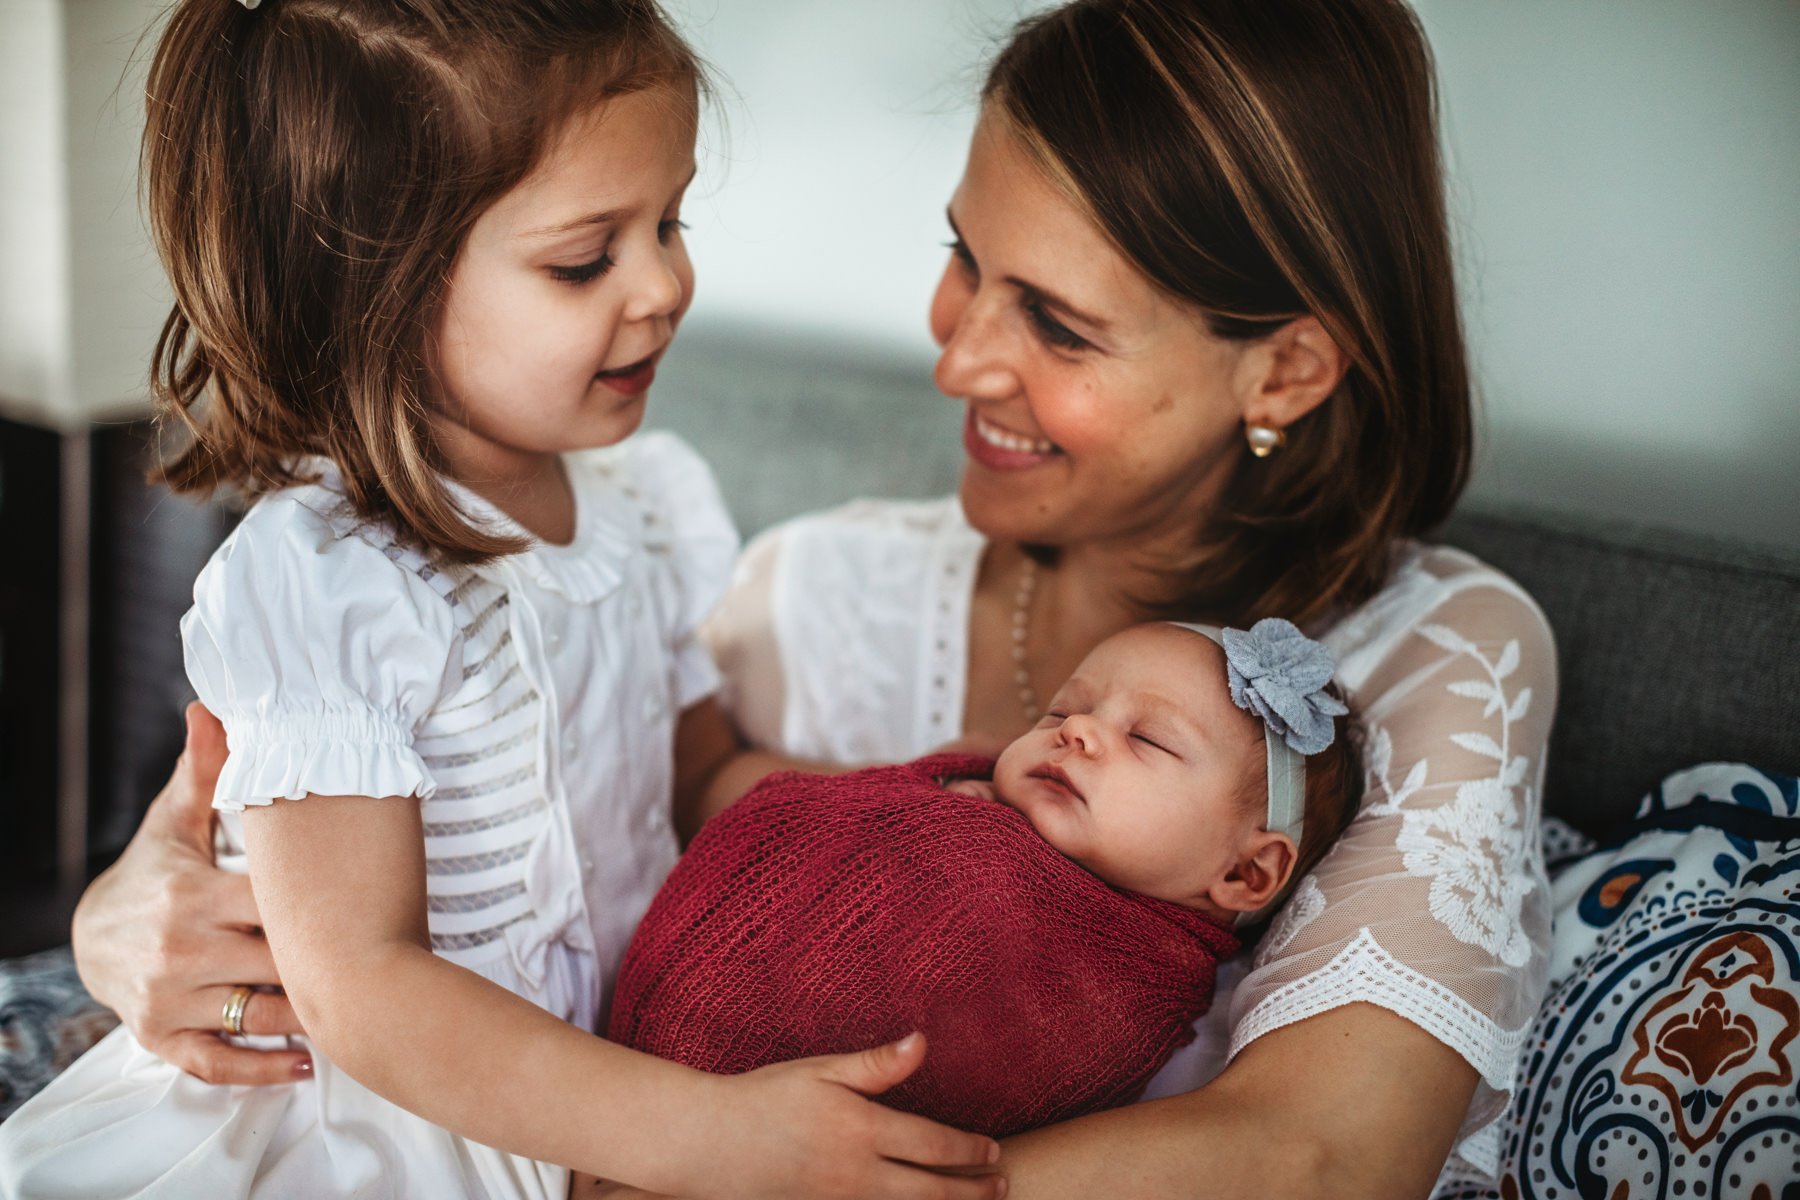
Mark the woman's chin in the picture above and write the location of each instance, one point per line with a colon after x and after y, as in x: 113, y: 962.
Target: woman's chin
x: 1002, y: 510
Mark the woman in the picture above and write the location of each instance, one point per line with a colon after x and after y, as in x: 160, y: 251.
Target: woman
x: 1201, y: 314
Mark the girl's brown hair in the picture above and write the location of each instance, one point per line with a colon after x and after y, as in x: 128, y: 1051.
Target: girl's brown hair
x: 1259, y: 160
x: 311, y: 169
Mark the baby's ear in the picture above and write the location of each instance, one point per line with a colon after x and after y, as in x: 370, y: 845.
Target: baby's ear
x: 1261, y: 871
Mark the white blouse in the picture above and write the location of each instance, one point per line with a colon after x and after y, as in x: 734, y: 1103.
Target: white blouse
x: 530, y: 706
x: 845, y: 638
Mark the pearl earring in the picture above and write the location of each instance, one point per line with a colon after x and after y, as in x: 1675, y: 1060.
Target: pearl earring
x: 1264, y: 440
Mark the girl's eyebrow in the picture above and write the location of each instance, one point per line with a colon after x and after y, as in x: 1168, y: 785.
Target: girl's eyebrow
x: 1042, y: 294
x: 605, y: 217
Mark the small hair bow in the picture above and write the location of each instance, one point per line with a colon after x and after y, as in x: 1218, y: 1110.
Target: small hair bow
x: 1279, y: 674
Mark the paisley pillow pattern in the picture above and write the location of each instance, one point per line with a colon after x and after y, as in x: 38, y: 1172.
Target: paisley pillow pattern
x: 1666, y: 1059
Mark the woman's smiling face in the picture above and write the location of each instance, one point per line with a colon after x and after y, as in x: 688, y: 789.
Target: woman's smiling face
x: 1099, y: 408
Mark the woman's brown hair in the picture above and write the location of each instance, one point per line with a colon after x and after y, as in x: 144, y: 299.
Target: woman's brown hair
x: 311, y: 169
x: 1260, y: 160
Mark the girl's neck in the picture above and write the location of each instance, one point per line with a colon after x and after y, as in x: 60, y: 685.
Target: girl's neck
x: 532, y: 489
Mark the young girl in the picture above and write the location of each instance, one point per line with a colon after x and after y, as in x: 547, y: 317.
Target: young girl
x: 423, y: 253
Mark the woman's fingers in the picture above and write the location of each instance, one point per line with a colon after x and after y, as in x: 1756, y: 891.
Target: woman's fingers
x: 266, y: 1014
x: 211, y: 1059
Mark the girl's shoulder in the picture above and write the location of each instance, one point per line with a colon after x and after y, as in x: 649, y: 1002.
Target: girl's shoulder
x: 306, y: 546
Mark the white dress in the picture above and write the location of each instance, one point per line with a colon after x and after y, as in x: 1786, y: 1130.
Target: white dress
x: 845, y: 637
x: 530, y: 703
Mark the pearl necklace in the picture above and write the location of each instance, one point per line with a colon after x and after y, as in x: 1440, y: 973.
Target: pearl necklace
x: 1028, y: 698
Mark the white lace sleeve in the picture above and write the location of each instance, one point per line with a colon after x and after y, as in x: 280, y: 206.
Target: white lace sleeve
x: 1433, y: 905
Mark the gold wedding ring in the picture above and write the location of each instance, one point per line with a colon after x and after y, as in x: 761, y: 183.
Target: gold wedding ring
x: 233, y: 1017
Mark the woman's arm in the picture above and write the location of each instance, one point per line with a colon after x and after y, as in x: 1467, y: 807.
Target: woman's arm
x: 1353, y: 1104
x: 341, y: 881
x: 163, y: 937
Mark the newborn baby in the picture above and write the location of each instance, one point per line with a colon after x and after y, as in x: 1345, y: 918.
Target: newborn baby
x: 1052, y: 930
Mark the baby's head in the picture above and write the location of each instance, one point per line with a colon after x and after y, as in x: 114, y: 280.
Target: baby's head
x: 1148, y: 773
x: 316, y: 173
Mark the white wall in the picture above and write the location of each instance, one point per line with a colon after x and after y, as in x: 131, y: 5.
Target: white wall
x: 81, y: 295
x: 1627, y: 181
x: 33, y: 205
x: 844, y: 128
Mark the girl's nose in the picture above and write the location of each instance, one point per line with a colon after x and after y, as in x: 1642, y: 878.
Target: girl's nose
x: 661, y: 286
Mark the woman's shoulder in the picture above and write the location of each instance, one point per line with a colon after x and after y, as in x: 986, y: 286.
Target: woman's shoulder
x: 1438, y: 592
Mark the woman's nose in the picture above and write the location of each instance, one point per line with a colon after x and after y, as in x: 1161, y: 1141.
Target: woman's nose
x: 974, y: 362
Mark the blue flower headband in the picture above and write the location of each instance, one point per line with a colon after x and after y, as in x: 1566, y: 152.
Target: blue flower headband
x: 1279, y: 674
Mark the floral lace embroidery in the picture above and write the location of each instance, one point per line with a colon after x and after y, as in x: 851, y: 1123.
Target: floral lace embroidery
x: 1473, y: 849
x: 1307, y: 902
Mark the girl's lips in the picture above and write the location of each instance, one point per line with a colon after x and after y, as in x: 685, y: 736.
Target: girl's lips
x: 629, y: 381
x: 1001, y: 450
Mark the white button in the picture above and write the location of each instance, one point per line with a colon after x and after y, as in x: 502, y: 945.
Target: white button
x: 634, y: 606
x: 652, y: 707
x: 659, y: 820
x: 587, y: 866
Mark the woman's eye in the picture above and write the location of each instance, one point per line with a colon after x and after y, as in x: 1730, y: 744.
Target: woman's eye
x: 585, y: 272
x: 959, y: 250
x: 1051, y: 330
x: 669, y: 229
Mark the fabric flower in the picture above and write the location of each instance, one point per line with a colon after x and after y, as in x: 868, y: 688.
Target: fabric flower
x: 1280, y: 674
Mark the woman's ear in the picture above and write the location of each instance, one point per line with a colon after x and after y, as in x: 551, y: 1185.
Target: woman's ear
x: 1261, y: 871
x: 1298, y: 369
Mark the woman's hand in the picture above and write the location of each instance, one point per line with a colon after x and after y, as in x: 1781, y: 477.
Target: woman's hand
x: 807, y: 1129
x: 163, y: 937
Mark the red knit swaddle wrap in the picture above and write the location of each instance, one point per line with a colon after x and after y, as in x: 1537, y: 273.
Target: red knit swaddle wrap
x: 822, y: 914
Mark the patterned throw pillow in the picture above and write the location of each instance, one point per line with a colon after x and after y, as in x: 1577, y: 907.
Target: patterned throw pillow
x: 1665, y: 1060
x: 46, y: 1022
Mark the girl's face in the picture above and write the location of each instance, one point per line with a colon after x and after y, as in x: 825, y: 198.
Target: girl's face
x: 1099, y: 408
x: 567, y: 291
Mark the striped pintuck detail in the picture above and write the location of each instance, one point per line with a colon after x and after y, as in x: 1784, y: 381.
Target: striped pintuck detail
x: 482, y: 745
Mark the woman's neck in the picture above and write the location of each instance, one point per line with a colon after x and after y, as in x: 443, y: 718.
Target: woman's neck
x: 1088, y: 594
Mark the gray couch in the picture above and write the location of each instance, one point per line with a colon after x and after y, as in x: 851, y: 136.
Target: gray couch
x: 1674, y: 649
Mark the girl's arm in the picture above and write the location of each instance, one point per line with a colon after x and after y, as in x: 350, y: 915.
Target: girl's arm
x: 713, y: 766
x: 340, y: 883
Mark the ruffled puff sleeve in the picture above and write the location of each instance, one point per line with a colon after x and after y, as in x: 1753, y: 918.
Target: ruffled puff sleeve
x: 320, y: 652
x: 693, y: 545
